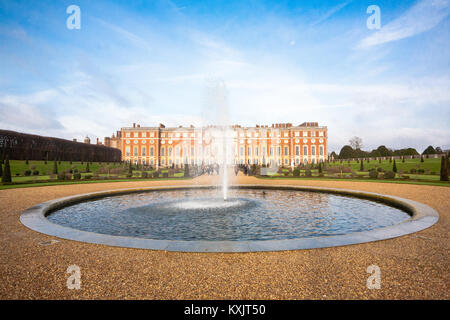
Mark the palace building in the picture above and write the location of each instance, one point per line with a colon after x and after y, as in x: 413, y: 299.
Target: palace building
x: 281, y: 144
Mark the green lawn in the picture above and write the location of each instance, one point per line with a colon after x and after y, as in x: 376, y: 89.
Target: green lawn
x: 18, y: 168
x: 433, y: 182
x: 433, y: 165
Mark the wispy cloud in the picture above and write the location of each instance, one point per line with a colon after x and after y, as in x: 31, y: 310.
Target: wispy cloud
x: 422, y: 17
x: 130, y: 36
x: 331, y: 12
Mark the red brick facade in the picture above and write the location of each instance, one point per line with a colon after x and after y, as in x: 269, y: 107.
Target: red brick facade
x: 280, y: 144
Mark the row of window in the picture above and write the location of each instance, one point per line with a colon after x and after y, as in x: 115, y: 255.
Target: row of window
x: 278, y: 151
x: 241, y: 134
x: 241, y: 161
x: 250, y: 151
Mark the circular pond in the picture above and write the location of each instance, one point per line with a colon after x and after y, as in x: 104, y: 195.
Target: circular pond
x: 246, y: 215
x: 254, y: 218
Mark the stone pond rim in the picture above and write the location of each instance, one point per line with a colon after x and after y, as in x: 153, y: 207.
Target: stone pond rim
x: 422, y: 217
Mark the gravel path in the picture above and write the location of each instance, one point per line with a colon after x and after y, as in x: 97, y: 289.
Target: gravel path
x: 412, y: 267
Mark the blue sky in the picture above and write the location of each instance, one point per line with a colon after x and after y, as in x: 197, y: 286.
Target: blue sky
x: 282, y: 61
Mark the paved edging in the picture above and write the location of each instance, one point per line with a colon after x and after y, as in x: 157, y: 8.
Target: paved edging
x: 422, y: 217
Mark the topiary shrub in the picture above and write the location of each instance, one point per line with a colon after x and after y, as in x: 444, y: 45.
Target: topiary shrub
x: 389, y: 175
x: 156, y: 174
x: 61, y: 176
x: 77, y: 176
x: 165, y: 174
x: 308, y: 173
x: 88, y: 177
x: 144, y: 174
x: 373, y: 174
x: 35, y: 173
x: 413, y: 171
x: 27, y: 173
x: 296, y: 172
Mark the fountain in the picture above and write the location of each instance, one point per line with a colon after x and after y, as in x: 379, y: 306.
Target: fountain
x: 240, y: 219
x: 218, y: 112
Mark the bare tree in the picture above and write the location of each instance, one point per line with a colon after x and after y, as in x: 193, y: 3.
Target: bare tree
x: 356, y: 143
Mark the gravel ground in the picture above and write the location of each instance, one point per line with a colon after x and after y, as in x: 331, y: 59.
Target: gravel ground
x: 412, y: 267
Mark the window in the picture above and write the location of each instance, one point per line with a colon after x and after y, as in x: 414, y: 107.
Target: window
x: 271, y: 151
x: 286, y: 151
x: 143, y: 151
x: 256, y: 151
x: 279, y: 151
x: 127, y: 151
x: 143, y: 162
x: 313, y: 150
x: 286, y: 161
x: 321, y: 150
x: 152, y: 151
x: 249, y: 151
x: 305, y: 150
x: 177, y: 152
x: 170, y: 152
x: 136, y: 134
x: 264, y: 151
x: 163, y: 151
x: 297, y: 150
x: 127, y: 134
x: 144, y: 134
x: 305, y: 134
x: 135, y: 151
x: 241, y: 151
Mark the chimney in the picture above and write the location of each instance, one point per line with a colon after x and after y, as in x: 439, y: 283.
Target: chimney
x: 134, y: 125
x: 74, y: 140
x: 138, y: 125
